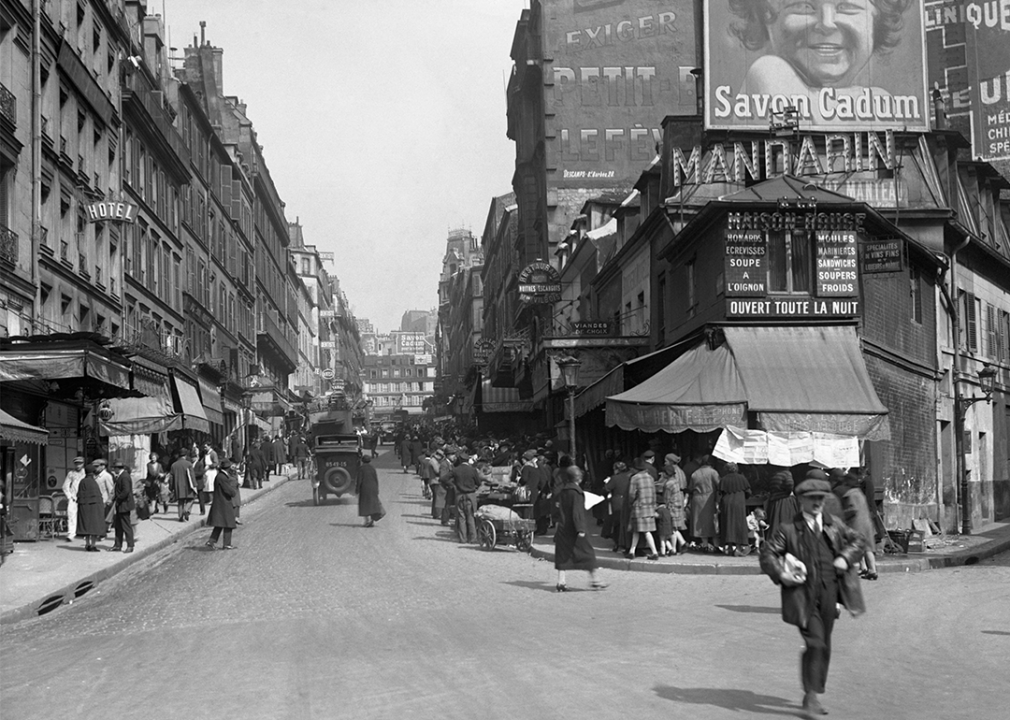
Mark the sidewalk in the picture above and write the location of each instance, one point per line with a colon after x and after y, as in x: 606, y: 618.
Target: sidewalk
x: 942, y: 551
x: 40, y: 576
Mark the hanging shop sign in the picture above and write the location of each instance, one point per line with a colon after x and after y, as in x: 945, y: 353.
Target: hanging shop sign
x: 482, y: 350
x: 882, y: 256
x: 111, y: 210
x: 592, y: 328
x: 539, y: 284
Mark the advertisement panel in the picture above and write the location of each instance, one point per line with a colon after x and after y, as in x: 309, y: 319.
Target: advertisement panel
x: 842, y: 66
x: 987, y: 42
x: 947, y: 59
x: 618, y: 68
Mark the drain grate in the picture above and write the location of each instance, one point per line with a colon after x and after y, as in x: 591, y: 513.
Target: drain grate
x: 83, y: 587
x: 50, y: 604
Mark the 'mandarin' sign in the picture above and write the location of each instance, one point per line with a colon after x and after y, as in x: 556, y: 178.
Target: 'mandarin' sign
x: 761, y: 159
x: 110, y: 210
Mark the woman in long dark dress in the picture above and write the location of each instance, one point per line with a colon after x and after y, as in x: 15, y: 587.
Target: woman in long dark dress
x: 781, y: 506
x: 733, y: 491
x: 90, y: 510
x: 222, y: 512
x: 572, y: 550
x: 367, y: 490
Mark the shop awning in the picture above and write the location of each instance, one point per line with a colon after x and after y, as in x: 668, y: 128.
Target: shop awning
x: 499, y: 400
x: 13, y: 430
x: 701, y: 390
x: 150, y: 379
x: 211, y: 402
x: 269, y: 403
x: 797, y: 379
x: 140, y: 416
x: 811, y: 379
x: 193, y: 415
x: 58, y: 364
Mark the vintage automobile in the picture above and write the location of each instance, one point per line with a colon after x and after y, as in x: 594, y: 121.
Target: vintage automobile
x: 338, y: 458
x: 337, y: 450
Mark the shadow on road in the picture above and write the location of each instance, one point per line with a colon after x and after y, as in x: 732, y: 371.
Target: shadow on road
x: 751, y: 609
x: 336, y: 502
x: 545, y: 587
x: 729, y: 699
x: 995, y: 632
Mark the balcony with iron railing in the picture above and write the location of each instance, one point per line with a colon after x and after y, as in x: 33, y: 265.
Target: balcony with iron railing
x: 8, y: 107
x: 8, y: 245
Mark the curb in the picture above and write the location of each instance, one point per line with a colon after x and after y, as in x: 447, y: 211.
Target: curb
x: 80, y: 587
x: 918, y: 564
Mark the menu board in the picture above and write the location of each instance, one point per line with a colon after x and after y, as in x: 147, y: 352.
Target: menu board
x: 746, y: 271
x: 836, y: 264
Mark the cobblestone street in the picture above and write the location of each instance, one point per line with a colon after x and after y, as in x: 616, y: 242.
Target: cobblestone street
x: 315, y: 616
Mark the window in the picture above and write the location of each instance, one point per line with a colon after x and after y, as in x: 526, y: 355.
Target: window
x: 915, y: 288
x: 991, y: 332
x: 968, y: 331
x: 789, y: 261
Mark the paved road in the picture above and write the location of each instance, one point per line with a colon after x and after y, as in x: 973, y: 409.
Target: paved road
x: 315, y: 616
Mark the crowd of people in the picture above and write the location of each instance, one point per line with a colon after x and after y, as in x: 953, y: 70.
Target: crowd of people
x: 100, y: 501
x: 654, y: 506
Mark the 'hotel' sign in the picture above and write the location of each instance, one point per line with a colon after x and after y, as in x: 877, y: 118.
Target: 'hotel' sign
x: 111, y: 210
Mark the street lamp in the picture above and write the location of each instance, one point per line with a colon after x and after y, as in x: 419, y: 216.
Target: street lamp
x: 569, y: 367
x: 987, y: 382
x: 252, y: 381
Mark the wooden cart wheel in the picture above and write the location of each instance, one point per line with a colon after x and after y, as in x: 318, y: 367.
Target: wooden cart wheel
x: 486, y: 535
x: 524, y: 540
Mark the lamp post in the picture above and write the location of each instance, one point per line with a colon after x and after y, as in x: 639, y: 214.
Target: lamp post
x: 569, y: 367
x: 252, y: 381
x: 986, y: 381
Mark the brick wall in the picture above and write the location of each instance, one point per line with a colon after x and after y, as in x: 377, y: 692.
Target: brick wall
x: 906, y: 465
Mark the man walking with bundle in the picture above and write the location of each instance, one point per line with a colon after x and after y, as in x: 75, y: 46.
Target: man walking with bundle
x: 814, y: 558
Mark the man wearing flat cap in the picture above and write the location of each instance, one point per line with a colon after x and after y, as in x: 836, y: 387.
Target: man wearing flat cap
x: 814, y: 558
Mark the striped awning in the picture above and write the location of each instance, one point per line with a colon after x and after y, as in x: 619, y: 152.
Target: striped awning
x: 499, y: 400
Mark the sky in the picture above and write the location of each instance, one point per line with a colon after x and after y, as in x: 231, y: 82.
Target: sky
x: 382, y: 123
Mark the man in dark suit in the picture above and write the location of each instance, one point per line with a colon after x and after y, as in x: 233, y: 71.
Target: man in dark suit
x: 466, y: 481
x: 537, y: 483
x: 125, y: 504
x: 815, y: 559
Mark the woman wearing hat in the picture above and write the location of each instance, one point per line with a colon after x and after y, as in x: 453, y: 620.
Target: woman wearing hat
x: 222, y: 513
x: 90, y: 510
x: 367, y: 490
x: 572, y: 549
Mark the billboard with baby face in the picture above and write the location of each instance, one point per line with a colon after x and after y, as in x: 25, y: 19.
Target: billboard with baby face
x: 841, y: 64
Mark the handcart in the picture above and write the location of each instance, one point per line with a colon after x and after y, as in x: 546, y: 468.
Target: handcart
x: 497, y: 524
